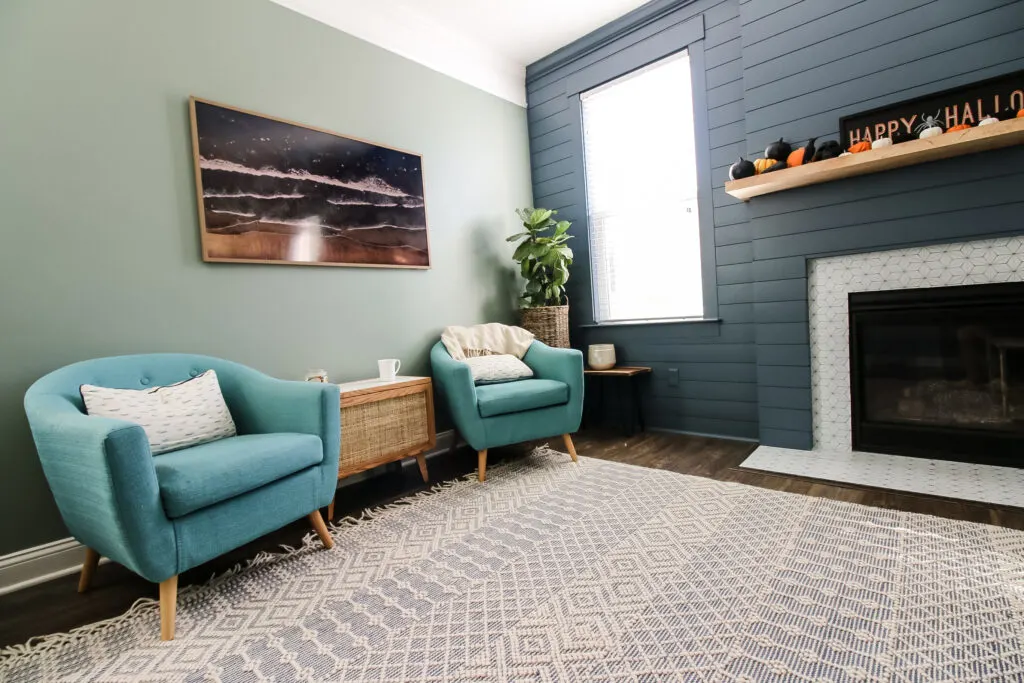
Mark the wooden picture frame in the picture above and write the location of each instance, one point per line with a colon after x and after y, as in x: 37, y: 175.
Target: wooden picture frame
x: 270, y: 190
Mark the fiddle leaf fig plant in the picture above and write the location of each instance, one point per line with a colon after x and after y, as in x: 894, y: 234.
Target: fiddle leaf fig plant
x: 543, y: 257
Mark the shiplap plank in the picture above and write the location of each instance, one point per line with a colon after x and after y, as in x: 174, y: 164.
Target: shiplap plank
x: 784, y: 418
x: 784, y: 397
x: 781, y: 290
x: 796, y: 377
x: 732, y: 234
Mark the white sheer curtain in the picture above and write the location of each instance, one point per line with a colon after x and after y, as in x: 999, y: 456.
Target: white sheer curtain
x: 642, y: 194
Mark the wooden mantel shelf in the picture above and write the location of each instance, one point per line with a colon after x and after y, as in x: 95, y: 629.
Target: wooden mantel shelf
x: 978, y: 139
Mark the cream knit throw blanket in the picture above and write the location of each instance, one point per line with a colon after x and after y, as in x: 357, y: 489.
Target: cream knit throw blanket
x: 486, y: 340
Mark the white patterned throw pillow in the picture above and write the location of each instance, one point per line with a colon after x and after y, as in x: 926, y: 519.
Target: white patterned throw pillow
x: 497, y: 368
x: 176, y: 416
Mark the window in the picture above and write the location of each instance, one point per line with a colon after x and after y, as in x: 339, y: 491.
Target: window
x: 641, y: 171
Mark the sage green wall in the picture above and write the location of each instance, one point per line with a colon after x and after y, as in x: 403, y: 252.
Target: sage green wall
x: 100, y: 247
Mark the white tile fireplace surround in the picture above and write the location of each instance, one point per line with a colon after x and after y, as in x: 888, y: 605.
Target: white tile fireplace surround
x: 830, y: 281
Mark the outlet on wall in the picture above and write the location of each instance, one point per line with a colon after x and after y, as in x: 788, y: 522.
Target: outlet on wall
x: 673, y: 377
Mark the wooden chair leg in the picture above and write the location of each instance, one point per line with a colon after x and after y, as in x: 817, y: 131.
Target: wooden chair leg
x: 168, y: 607
x: 481, y: 462
x: 321, y: 529
x: 570, y: 447
x: 92, y: 558
x: 330, y: 509
x: 421, y: 460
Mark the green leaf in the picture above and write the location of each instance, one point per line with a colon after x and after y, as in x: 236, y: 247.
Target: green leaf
x: 566, y: 252
x: 516, y: 236
x: 540, y: 217
x: 522, y: 251
x: 562, y: 227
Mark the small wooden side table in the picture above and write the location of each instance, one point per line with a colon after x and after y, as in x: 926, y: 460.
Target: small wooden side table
x: 383, y: 422
x: 632, y: 376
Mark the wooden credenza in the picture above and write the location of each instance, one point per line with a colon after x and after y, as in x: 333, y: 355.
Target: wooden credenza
x: 382, y: 422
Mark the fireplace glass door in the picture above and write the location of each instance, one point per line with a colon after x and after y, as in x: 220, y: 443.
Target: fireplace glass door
x: 939, y: 372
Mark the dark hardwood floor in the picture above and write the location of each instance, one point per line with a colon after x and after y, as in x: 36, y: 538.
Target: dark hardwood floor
x: 55, y: 606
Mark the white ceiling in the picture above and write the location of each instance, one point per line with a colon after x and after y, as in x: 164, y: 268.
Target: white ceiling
x: 486, y: 43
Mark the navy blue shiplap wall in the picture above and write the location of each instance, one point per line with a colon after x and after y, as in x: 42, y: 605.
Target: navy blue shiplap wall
x: 784, y: 68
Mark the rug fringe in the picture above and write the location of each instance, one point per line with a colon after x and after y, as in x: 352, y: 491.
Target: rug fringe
x: 45, y: 644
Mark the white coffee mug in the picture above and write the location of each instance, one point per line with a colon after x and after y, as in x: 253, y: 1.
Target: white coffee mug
x: 388, y: 368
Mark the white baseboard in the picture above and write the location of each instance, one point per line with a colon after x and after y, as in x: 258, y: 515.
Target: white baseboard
x: 42, y: 563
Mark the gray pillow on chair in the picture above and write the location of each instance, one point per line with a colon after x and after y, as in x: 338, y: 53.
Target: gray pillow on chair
x: 495, y: 369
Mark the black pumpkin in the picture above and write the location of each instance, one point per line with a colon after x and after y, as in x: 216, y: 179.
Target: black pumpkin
x: 778, y: 150
x: 829, y: 149
x: 1007, y: 114
x: 901, y: 136
x: 777, y: 166
x: 741, y: 169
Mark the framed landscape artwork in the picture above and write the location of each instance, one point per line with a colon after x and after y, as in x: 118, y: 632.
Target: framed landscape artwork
x: 273, y: 191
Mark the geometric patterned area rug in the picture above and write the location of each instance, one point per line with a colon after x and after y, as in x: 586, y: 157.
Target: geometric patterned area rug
x: 601, y: 571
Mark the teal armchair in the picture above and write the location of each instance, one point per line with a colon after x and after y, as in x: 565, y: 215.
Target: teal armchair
x: 493, y: 415
x: 162, y: 515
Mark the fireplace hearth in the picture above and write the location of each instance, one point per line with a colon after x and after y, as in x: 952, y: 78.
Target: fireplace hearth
x: 939, y: 372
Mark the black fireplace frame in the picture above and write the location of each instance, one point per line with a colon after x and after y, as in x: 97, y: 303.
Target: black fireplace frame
x: 928, y: 441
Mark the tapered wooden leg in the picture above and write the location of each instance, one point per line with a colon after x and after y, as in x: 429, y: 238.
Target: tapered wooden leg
x: 481, y: 462
x: 421, y: 460
x: 321, y: 529
x: 168, y: 607
x: 92, y: 558
x: 570, y: 447
x: 330, y: 509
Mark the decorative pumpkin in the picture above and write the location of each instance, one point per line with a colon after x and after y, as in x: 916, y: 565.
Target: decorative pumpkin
x: 777, y: 166
x: 1020, y: 114
x: 799, y: 157
x: 846, y: 154
x: 962, y: 126
x: 988, y: 121
x: 881, y: 142
x: 778, y: 150
x: 762, y: 165
x: 930, y: 132
x: 829, y: 149
x: 857, y: 147
x: 741, y: 169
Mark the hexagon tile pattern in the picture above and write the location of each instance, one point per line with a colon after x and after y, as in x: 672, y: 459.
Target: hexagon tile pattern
x: 831, y: 280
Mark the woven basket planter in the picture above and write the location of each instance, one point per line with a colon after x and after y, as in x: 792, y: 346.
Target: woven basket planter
x: 549, y: 324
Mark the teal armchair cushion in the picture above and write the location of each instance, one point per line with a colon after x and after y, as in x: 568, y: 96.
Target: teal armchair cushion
x: 520, y: 396
x: 553, y: 412
x: 104, y: 479
x: 194, y: 478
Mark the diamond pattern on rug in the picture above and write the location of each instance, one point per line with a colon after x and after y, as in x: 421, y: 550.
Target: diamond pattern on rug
x: 551, y: 571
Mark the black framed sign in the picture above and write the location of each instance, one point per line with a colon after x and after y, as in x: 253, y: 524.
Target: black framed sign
x: 957, y: 106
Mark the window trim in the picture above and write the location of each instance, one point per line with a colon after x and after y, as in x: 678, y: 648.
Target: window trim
x: 590, y: 78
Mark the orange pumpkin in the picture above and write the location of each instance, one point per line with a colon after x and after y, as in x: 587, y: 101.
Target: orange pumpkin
x: 962, y: 126
x: 762, y: 165
x: 862, y: 146
x: 1020, y: 114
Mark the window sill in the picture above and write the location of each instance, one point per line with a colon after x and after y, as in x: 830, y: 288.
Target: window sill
x: 665, y: 321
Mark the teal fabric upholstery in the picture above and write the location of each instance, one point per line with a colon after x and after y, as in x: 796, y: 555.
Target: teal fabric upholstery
x: 551, y: 367
x: 198, y: 477
x: 521, y: 395
x: 104, y: 477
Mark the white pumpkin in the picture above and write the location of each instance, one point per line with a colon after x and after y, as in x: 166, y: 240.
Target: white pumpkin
x: 881, y: 142
x: 988, y: 120
x: 846, y: 154
x: 930, y: 132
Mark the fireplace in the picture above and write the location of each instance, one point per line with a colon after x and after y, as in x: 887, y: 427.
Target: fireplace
x: 939, y: 372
